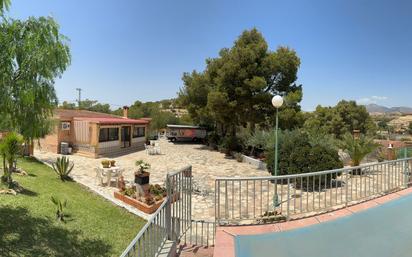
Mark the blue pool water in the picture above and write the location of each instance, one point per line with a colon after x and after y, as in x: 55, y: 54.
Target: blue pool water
x: 382, y: 231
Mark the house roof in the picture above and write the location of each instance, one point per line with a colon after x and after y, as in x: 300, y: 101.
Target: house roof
x: 96, y: 117
x: 69, y: 114
x: 113, y: 120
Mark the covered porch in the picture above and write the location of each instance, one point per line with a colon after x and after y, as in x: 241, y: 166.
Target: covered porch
x: 99, y: 137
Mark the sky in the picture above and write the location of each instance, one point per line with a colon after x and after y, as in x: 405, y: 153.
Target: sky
x: 127, y: 50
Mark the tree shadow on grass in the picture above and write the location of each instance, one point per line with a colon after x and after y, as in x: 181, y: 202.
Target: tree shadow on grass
x: 24, y: 235
x: 27, y: 192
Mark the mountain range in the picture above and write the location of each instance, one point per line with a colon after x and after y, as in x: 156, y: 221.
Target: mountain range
x: 383, y: 109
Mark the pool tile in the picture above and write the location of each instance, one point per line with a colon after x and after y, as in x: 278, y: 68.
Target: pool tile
x: 405, y: 191
x: 224, y: 251
x: 309, y: 221
x: 252, y: 230
x: 362, y: 206
x: 333, y: 215
x: 290, y: 225
x: 224, y: 245
x: 386, y: 198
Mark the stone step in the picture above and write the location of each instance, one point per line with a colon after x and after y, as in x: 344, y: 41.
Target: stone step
x: 168, y: 249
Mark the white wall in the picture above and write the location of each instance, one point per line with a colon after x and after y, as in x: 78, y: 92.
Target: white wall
x: 109, y: 144
x: 138, y: 140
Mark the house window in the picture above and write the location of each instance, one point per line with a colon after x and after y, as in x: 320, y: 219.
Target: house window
x: 109, y: 134
x: 138, y: 132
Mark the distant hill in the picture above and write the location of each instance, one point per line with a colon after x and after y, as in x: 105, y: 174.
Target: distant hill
x: 374, y: 108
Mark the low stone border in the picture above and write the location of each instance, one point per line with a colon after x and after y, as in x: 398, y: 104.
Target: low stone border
x: 225, y: 245
x: 255, y: 162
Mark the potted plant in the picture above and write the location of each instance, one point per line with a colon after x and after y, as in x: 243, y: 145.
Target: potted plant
x: 112, y: 163
x: 141, y: 176
x: 105, y: 164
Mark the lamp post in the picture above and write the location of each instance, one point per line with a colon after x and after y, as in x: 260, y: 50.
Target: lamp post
x: 277, y: 102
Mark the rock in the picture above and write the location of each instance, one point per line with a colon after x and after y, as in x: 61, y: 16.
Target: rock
x: 8, y: 192
x: 21, y: 172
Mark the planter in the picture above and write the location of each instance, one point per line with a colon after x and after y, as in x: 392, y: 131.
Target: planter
x: 149, y: 209
x: 142, y: 179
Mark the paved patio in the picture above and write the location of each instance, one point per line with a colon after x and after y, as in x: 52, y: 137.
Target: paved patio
x: 206, y: 166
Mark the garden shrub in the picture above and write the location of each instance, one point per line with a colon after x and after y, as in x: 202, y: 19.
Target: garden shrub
x: 230, y: 144
x: 212, y: 139
x: 297, y: 155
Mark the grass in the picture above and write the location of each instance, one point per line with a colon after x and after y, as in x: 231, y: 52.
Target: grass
x: 92, y: 227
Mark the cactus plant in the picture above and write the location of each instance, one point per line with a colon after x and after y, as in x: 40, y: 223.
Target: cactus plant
x: 63, y: 167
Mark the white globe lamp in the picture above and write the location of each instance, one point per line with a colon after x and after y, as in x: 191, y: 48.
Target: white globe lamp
x: 277, y: 101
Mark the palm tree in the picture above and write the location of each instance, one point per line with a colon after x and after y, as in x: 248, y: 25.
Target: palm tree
x: 10, y: 149
x: 357, y: 148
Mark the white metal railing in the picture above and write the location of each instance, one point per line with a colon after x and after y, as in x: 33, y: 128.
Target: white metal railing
x: 270, y: 198
x: 171, y: 220
x: 151, y: 237
x: 200, y: 233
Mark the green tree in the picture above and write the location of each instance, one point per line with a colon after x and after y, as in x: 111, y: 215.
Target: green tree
x: 343, y: 118
x: 90, y: 105
x: 68, y: 105
x: 94, y: 106
x: 10, y: 149
x: 410, y: 128
x: 237, y: 86
x: 33, y: 54
x: 382, y: 125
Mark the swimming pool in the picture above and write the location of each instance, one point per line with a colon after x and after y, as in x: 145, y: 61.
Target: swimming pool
x: 382, y: 231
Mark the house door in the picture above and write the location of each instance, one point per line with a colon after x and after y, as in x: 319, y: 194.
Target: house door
x: 126, y: 136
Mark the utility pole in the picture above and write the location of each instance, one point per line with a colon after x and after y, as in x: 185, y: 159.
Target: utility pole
x: 80, y: 96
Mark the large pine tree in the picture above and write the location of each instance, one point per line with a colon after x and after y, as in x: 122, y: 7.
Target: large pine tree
x: 236, y: 87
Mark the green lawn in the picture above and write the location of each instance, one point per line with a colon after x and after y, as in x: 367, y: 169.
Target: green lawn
x: 93, y: 226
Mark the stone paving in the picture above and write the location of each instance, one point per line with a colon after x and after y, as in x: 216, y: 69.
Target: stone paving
x: 206, y: 166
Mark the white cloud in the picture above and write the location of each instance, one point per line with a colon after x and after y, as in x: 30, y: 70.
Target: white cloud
x: 372, y: 100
